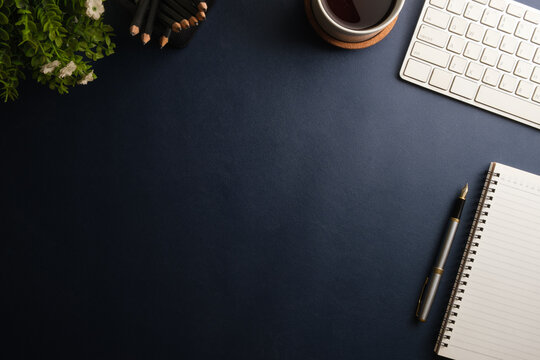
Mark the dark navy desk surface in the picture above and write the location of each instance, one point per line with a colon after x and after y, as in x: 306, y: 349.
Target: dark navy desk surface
x: 258, y: 195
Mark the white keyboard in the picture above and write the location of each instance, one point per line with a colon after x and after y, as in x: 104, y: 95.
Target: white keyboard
x: 483, y: 52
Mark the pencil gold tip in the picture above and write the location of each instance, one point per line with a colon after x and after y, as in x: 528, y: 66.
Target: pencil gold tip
x: 145, y: 38
x: 163, y: 41
x: 185, y: 24
x: 134, y: 30
x: 201, y: 16
x: 203, y: 6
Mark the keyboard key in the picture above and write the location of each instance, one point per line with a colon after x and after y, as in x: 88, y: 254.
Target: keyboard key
x: 430, y: 54
x: 438, y: 3
x: 473, y: 11
x: 525, y: 89
x: 516, y: 10
x: 491, y: 17
x: 507, y: 24
x: 536, y: 37
x: 481, y: 51
x: 456, y: 44
x: 491, y: 77
x: 508, y: 104
x: 437, y: 18
x: 536, y: 75
x: 524, y: 30
x: 417, y: 70
x: 475, y: 32
x: 433, y: 36
x: 458, y: 25
x: 508, y: 44
x: 474, y: 71
x: 456, y: 6
x: 508, y: 83
x: 506, y: 63
x: 458, y: 64
x: 525, y: 51
x: 463, y: 87
x: 532, y: 16
x: 536, y: 96
x: 523, y: 69
x: 472, y: 51
x: 498, y: 4
x: 441, y: 79
x: 492, y: 38
x: 489, y: 57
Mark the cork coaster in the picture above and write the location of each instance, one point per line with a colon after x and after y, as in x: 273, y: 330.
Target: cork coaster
x: 343, y: 44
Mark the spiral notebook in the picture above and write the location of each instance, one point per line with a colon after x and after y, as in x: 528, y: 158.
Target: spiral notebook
x: 494, y: 310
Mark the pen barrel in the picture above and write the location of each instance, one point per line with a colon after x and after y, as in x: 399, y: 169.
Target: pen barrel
x: 447, y: 243
x: 458, y: 208
x: 429, y: 294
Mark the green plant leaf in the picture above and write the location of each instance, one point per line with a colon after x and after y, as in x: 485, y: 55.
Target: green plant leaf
x: 4, y: 35
x: 30, y: 51
x: 36, y: 32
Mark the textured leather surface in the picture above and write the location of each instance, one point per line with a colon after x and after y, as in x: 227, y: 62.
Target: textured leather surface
x: 258, y: 195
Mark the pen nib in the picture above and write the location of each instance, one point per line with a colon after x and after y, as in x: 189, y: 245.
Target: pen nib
x: 464, y: 191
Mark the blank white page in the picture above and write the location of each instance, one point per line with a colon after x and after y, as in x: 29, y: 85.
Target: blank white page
x: 494, y: 312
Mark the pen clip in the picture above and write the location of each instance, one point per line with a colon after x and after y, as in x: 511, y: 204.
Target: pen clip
x: 421, y: 296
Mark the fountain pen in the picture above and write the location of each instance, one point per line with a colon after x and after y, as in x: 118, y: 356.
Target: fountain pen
x: 432, y: 282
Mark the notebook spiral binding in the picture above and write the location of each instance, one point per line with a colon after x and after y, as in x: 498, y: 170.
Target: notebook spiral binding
x: 467, y: 261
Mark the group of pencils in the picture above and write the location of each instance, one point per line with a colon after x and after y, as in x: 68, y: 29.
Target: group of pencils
x: 174, y: 15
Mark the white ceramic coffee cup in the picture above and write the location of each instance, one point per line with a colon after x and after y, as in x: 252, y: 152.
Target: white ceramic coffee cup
x: 339, y: 32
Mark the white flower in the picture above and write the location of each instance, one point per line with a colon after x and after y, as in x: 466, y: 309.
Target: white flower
x: 85, y: 80
x: 49, y: 68
x: 94, y: 8
x: 67, y: 70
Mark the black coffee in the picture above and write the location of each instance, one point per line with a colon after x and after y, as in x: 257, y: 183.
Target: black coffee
x: 358, y: 14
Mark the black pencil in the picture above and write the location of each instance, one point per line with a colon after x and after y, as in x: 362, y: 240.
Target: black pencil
x: 142, y: 5
x: 181, y: 12
x: 164, y: 38
x: 172, y: 11
x: 201, y: 5
x: 165, y: 19
x: 149, y: 26
x: 176, y: 9
x: 183, y: 23
x: 173, y: 24
x: 190, y: 6
x: 187, y: 19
